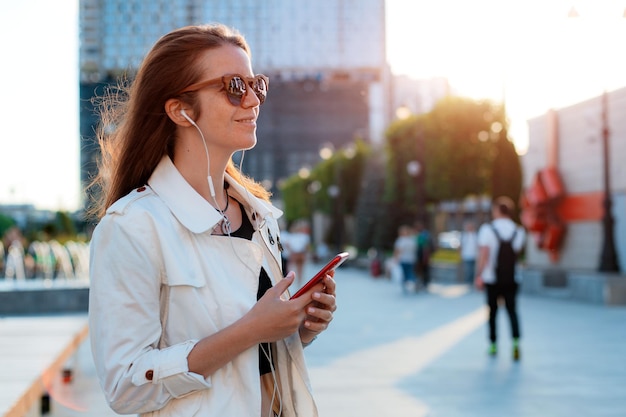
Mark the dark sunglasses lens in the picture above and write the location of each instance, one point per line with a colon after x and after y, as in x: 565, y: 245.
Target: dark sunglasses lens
x: 259, y: 87
x: 236, y: 90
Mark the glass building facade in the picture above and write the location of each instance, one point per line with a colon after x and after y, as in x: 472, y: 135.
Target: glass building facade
x: 326, y: 60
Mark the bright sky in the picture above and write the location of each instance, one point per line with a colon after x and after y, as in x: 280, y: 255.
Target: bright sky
x: 39, y: 149
x: 527, y: 51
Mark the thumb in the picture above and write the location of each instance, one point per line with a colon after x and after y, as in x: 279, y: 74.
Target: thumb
x: 282, y: 285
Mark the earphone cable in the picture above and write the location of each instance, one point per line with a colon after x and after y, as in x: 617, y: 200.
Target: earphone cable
x: 276, y: 389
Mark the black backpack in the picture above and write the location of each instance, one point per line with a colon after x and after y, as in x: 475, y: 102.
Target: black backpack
x: 506, y: 260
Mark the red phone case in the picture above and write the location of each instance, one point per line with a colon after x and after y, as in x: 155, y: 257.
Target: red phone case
x: 333, y: 264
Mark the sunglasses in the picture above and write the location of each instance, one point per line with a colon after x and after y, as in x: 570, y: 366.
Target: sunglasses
x: 236, y: 86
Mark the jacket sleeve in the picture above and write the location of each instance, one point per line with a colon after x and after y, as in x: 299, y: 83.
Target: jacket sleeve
x: 125, y: 319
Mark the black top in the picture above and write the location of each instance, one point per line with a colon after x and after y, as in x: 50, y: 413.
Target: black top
x: 245, y: 232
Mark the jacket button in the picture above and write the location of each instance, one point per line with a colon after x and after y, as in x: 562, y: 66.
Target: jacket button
x: 149, y: 375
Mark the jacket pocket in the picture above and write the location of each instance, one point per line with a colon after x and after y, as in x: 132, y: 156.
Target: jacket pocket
x: 179, y: 275
x: 188, y: 406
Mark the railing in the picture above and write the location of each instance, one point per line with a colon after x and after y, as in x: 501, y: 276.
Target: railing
x: 33, y: 351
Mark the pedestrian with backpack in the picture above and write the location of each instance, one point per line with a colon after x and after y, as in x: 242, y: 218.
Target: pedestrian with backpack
x: 425, y: 249
x: 499, y: 243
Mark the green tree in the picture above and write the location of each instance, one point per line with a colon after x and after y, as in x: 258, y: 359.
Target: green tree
x: 344, y: 169
x: 405, y: 146
x: 461, y: 148
x: 372, y: 229
x: 65, y: 224
x: 6, y: 223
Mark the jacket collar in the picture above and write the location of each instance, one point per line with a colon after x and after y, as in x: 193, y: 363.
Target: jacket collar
x: 190, y: 208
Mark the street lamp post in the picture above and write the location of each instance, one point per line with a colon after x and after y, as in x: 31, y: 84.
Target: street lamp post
x: 608, y: 257
x: 334, y: 191
x: 414, y: 169
x: 336, y: 194
x: 312, y: 188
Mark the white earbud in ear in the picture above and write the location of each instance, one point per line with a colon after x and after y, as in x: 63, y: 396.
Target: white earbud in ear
x: 184, y: 114
x: 206, y: 150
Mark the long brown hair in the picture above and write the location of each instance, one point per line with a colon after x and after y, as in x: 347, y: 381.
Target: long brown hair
x: 135, y: 132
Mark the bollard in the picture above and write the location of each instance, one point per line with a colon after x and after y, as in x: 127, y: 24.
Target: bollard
x: 67, y: 375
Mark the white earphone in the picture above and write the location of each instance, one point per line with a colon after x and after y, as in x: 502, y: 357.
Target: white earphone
x: 206, y: 150
x: 268, y: 355
x: 184, y: 114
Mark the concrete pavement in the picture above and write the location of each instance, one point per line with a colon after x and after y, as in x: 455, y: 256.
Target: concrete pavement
x: 424, y: 354
x: 389, y: 354
x: 33, y: 350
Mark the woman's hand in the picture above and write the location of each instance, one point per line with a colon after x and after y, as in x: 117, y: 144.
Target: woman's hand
x: 272, y: 318
x: 275, y: 318
x: 319, y: 311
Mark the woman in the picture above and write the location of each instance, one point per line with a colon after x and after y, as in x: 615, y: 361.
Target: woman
x: 469, y: 251
x: 298, y: 247
x: 404, y: 253
x: 189, y: 314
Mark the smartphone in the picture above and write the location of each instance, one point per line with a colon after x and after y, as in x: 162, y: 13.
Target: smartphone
x: 330, y: 266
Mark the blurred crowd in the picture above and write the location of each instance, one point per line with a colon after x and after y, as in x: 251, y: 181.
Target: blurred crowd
x: 42, y: 259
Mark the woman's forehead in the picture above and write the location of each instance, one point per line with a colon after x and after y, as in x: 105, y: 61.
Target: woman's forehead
x: 225, y: 59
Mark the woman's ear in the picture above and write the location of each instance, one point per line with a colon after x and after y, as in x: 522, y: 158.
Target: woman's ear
x: 175, y: 111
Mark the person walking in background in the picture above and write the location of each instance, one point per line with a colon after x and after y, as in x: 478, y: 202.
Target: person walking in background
x: 425, y: 249
x: 189, y: 313
x: 499, y: 242
x: 404, y: 253
x: 298, y: 248
x: 468, y: 251
x: 15, y: 267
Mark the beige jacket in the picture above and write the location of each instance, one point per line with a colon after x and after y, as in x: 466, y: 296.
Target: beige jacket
x: 160, y: 281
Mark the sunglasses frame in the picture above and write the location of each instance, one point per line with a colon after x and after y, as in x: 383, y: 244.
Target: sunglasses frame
x: 226, y: 80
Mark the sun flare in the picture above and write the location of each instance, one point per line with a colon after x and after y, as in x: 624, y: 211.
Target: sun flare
x: 530, y: 54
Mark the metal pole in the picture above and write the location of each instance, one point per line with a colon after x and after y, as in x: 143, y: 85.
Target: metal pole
x: 608, y: 258
x: 339, y: 205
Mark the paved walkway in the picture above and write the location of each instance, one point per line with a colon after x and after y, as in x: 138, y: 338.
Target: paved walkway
x: 33, y: 351
x: 424, y: 354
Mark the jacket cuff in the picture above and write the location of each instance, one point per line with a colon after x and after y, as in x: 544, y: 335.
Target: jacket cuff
x: 170, y: 368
